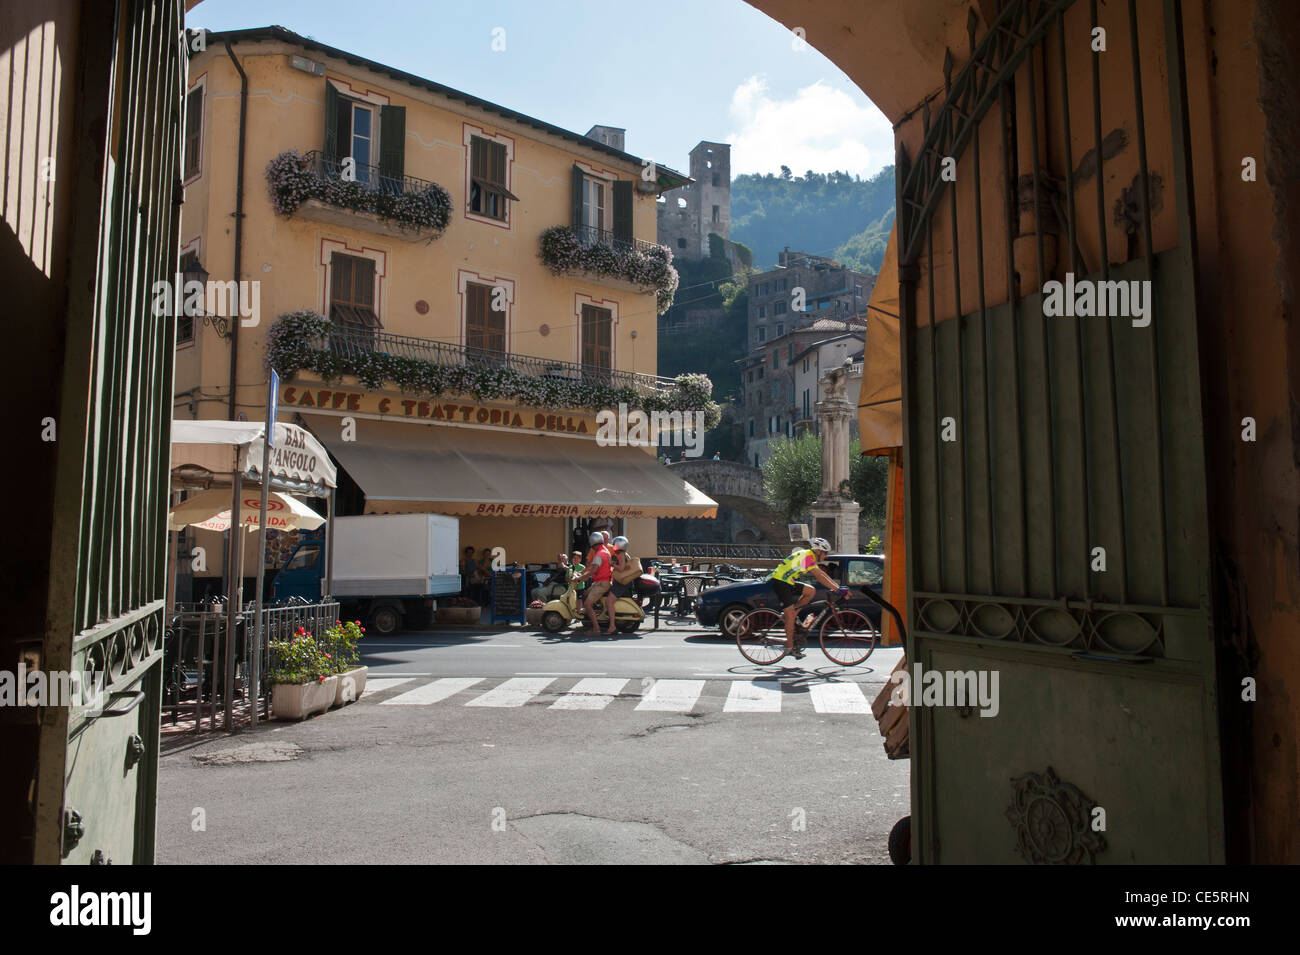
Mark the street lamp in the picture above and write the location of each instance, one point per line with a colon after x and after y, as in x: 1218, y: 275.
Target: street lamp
x: 193, y: 271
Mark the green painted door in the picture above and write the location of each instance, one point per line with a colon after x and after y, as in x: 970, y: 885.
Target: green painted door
x: 1057, y: 534
x: 97, y: 765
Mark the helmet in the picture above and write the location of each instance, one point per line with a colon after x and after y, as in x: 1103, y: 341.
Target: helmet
x: 596, y: 539
x: 820, y: 543
x: 606, y: 535
x: 620, y: 543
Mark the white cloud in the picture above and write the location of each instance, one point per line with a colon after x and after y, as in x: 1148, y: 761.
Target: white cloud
x: 819, y: 128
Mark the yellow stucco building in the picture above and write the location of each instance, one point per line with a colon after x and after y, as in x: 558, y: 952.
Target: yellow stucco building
x: 449, y: 350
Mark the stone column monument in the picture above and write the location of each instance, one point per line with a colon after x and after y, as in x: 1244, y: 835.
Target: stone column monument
x: 835, y: 513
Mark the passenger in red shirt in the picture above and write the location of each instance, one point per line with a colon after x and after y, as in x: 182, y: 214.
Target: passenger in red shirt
x: 599, y: 571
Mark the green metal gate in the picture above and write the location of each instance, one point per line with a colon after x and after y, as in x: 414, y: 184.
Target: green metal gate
x: 97, y: 770
x: 1055, y: 466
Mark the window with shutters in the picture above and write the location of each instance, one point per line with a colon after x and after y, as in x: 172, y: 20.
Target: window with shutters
x: 352, y: 295
x: 485, y: 327
x: 371, y: 134
x: 193, y: 132
x: 488, y: 194
x: 597, y: 337
x: 184, y: 322
x: 602, y: 209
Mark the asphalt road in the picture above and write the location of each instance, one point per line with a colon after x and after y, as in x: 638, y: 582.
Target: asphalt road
x: 515, y: 746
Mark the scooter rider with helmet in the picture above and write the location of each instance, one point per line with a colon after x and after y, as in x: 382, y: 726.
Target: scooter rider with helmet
x: 793, y: 593
x: 600, y: 572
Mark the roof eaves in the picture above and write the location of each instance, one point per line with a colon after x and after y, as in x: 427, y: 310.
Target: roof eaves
x: 255, y: 34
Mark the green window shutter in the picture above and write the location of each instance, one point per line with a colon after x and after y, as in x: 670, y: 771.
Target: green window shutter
x: 623, y: 210
x: 331, y: 121
x: 577, y: 197
x: 392, y: 142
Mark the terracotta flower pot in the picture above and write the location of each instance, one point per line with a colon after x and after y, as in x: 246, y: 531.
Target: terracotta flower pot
x: 294, y: 701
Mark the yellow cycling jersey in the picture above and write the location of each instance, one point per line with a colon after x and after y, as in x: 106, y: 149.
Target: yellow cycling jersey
x: 796, y: 565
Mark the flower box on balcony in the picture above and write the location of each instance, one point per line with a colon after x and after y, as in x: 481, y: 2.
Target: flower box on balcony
x: 318, y: 187
x: 620, y: 263
x: 318, y: 211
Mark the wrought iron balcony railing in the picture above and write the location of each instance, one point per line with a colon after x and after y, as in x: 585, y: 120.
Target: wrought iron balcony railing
x: 330, y: 167
x: 352, y: 342
x: 590, y: 235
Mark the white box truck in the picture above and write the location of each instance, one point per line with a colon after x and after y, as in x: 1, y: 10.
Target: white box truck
x: 387, y: 568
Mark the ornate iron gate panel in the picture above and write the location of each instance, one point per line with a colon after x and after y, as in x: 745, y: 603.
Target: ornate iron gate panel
x: 96, y: 785
x: 1056, y: 507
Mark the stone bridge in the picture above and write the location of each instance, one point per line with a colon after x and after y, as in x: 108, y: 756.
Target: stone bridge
x: 726, y: 478
x: 743, y: 516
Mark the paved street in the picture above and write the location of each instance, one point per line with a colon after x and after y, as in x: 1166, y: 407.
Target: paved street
x: 522, y: 747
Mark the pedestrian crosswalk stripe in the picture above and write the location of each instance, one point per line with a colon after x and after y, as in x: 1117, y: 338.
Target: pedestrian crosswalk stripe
x: 672, y: 696
x: 753, y: 696
x: 590, y: 694
x: 380, y: 684
x: 838, y: 698
x: 433, y: 692
x: 514, y: 692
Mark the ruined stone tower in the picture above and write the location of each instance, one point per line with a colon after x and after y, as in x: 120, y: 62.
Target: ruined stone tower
x: 687, y: 215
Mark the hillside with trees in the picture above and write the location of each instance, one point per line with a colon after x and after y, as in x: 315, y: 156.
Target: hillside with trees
x: 832, y: 214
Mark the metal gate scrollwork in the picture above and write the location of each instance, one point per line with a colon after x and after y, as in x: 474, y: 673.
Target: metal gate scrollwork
x: 1053, y: 820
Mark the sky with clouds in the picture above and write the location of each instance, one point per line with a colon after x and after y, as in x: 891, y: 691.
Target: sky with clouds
x: 672, y: 72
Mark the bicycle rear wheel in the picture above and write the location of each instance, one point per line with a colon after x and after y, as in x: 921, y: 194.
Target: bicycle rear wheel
x: 760, y: 635
x: 850, y: 639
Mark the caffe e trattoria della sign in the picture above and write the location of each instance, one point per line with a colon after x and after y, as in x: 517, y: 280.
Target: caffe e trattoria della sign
x: 327, y: 399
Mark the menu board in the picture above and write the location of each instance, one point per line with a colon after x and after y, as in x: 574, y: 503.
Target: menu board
x: 508, y: 594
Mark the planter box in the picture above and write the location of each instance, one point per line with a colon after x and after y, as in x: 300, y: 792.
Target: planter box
x: 296, y: 701
x: 318, y: 211
x: 351, y: 685
x: 533, y: 615
x: 467, y: 615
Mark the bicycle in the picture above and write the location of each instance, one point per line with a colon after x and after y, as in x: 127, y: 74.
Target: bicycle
x: 847, y: 636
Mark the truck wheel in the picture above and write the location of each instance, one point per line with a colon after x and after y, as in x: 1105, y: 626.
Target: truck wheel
x: 900, y: 841
x: 386, y: 620
x: 553, y: 621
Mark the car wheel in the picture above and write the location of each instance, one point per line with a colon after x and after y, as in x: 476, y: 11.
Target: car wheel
x: 730, y: 619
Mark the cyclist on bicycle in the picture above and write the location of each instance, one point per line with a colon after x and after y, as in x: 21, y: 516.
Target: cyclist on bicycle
x: 792, y: 593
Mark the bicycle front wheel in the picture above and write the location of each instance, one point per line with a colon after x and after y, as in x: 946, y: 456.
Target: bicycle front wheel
x: 760, y: 634
x: 849, y: 639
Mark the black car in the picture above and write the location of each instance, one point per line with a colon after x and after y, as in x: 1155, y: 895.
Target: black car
x: 724, y: 606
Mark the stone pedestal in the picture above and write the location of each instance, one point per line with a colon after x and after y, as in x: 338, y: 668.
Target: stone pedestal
x: 835, y: 513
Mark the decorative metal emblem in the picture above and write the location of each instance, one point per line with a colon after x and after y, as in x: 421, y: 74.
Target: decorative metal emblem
x: 1053, y: 820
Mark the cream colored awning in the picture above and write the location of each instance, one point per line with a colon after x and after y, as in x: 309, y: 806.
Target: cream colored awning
x: 224, y: 447
x: 408, y: 467
x: 880, y: 403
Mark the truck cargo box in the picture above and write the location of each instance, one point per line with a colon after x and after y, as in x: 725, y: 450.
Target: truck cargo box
x: 396, y: 555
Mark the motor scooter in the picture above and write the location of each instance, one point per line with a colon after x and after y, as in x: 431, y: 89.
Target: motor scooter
x: 560, y: 612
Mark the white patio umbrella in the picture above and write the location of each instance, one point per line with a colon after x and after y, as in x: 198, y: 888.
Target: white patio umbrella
x: 211, y: 511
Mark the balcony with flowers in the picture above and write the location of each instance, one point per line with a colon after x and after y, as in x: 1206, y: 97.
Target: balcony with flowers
x: 632, y: 264
x: 425, y: 368
x: 357, y: 196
